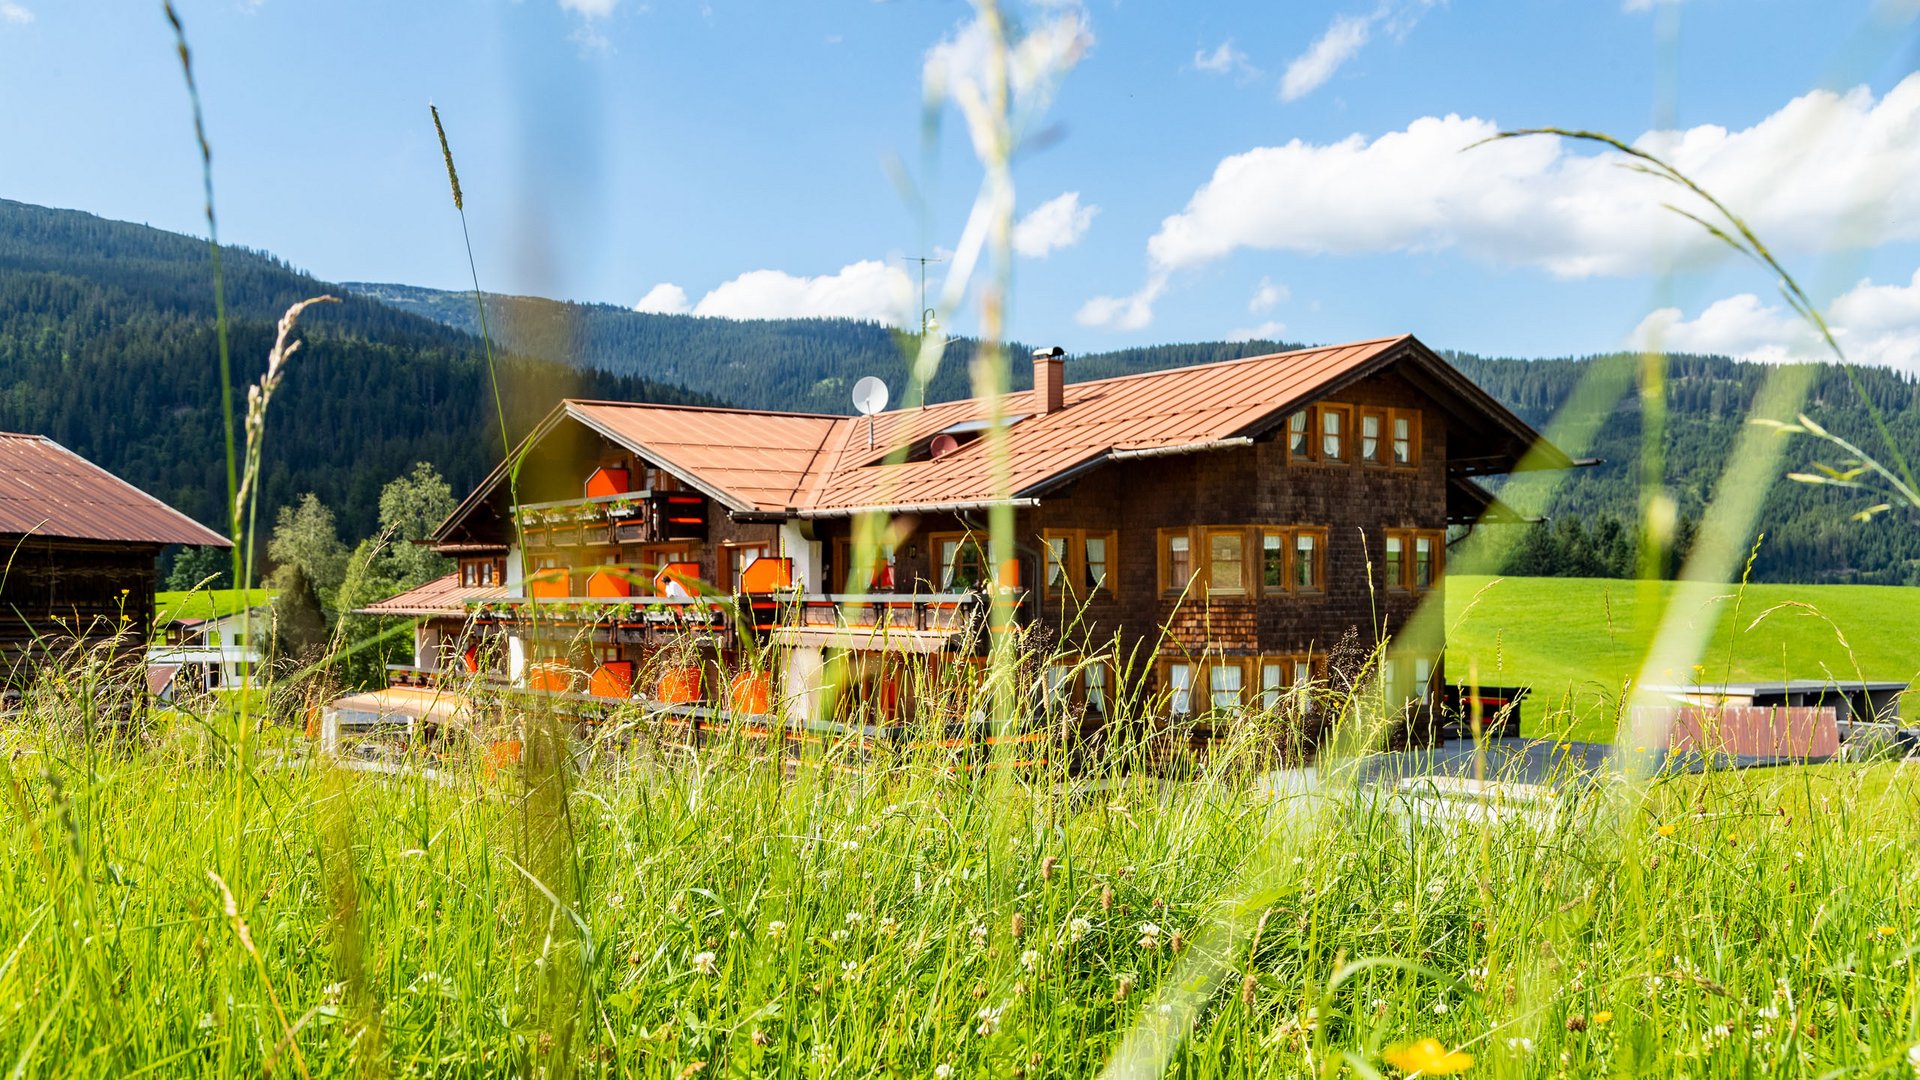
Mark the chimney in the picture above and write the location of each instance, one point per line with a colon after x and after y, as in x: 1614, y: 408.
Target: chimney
x: 1050, y: 380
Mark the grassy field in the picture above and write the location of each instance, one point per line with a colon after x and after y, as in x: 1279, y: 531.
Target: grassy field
x: 207, y: 603
x: 163, y: 912
x: 1576, y: 641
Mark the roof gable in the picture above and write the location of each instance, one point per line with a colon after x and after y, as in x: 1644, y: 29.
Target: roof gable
x: 50, y: 492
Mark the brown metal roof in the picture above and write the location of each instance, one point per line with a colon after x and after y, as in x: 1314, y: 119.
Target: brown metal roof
x: 781, y: 463
x: 441, y: 596
x: 49, y: 491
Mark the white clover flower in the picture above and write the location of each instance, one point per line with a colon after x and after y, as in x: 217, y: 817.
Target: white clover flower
x: 776, y: 929
x: 1149, y: 936
x: 1030, y: 959
x: 889, y: 925
x: 838, y: 936
x: 1913, y: 1058
x: 855, y: 918
x: 1077, y: 929
x: 703, y: 962
x: 850, y: 971
x: 1439, y: 1008
x: 851, y: 845
x: 1436, y: 887
x: 1521, y: 1043
x: 989, y: 1017
x: 979, y: 934
x: 942, y: 1071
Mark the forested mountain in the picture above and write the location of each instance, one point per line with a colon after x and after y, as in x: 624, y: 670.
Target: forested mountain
x: 107, y: 345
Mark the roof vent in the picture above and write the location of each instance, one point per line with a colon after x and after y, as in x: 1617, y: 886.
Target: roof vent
x: 1049, y: 380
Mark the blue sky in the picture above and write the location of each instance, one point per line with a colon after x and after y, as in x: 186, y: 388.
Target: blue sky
x: 1206, y: 169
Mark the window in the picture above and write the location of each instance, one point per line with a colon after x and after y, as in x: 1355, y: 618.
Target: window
x: 1405, y: 441
x: 1422, y: 676
x: 1096, y: 681
x: 881, y: 579
x: 1307, y: 572
x: 1058, y: 569
x: 1273, y: 560
x: 1333, y: 432
x: 1299, y: 436
x: 1224, y: 680
x: 1226, y: 561
x: 1180, y: 686
x: 1096, y: 549
x: 1273, y: 682
x: 741, y: 556
x: 1058, y: 689
x: 1373, y: 432
x: 1176, y: 561
x: 480, y: 573
x: 1424, y: 556
x: 1078, y: 562
x: 963, y: 563
x: 1394, y: 572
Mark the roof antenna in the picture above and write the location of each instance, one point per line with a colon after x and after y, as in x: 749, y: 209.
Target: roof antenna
x: 869, y: 396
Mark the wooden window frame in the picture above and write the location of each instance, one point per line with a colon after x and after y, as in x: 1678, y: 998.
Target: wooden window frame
x: 1382, y: 443
x: 1262, y: 534
x: 1163, y: 547
x: 1412, y: 416
x: 937, y: 562
x: 1436, y: 540
x: 1238, y: 664
x: 1345, y: 412
x: 1073, y: 576
x: 1306, y: 452
x: 730, y: 566
x: 1399, y: 578
x: 1196, y: 672
x: 1319, y: 535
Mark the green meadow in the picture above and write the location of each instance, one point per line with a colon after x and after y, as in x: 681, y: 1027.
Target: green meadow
x: 1577, y: 641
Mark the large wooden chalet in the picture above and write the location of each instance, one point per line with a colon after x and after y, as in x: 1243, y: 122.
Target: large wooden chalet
x: 79, y: 570
x: 1208, y: 531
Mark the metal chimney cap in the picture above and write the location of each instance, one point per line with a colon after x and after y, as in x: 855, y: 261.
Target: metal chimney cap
x: 1052, y: 353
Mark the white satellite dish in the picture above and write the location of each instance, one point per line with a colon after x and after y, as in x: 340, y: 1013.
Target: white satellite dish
x: 869, y: 395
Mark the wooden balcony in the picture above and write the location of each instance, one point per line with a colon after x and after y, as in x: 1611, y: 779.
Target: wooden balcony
x: 630, y: 517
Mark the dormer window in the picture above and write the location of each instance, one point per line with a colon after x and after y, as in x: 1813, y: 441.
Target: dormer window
x: 948, y: 440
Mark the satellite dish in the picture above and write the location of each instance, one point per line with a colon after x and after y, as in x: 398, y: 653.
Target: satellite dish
x: 943, y: 445
x: 869, y: 395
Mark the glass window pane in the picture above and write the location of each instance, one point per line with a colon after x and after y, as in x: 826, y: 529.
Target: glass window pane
x: 1422, y: 561
x: 1096, y: 676
x: 1224, y: 681
x: 1396, y: 563
x: 1056, y: 563
x: 1273, y: 560
x: 1402, y: 440
x: 1370, y: 437
x: 1272, y: 680
x: 1096, y: 562
x: 1225, y: 565
x: 1297, y: 434
x: 1332, y: 434
x: 1180, y: 680
x: 1306, y: 568
x: 1179, y: 562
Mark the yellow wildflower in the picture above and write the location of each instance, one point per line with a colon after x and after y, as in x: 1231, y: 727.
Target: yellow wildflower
x: 1427, y: 1057
x: 1666, y: 830
x: 1602, y: 1016
x: 1886, y: 931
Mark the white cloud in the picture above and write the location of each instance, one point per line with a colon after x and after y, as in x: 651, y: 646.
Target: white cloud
x: 1344, y: 37
x: 1058, y: 223
x: 1826, y: 171
x: 590, y: 9
x: 665, y: 298
x: 1266, y: 294
x: 1133, y: 312
x: 869, y: 289
x: 14, y: 13
x: 1874, y: 324
x: 1223, y: 59
x: 957, y: 67
x: 1266, y: 331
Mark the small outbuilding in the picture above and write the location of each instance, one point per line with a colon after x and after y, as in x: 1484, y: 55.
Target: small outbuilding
x: 79, y: 549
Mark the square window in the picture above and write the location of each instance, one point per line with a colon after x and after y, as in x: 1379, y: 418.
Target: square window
x: 1226, y: 562
x: 963, y: 565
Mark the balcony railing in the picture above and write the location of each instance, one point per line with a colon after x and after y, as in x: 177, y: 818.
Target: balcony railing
x: 631, y: 517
